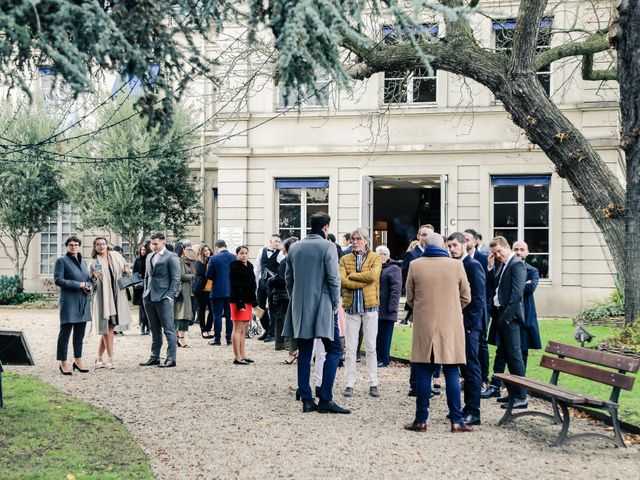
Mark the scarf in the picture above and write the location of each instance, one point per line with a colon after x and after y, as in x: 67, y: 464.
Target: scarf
x: 434, y: 251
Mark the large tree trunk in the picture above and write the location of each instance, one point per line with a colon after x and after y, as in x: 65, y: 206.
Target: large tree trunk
x: 629, y: 79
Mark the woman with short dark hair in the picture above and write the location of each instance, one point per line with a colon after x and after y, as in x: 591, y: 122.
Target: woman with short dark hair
x: 71, y: 274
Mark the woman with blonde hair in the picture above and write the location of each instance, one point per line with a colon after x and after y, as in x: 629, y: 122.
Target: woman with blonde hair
x: 110, y: 302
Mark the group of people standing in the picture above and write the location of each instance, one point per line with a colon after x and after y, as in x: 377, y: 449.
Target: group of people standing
x: 314, y: 298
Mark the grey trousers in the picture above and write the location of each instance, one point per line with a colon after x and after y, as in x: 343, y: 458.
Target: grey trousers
x: 160, y: 316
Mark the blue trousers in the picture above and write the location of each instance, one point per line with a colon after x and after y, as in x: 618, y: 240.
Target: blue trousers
x: 220, y: 307
x: 423, y: 373
x: 383, y: 341
x: 471, y: 373
x: 412, y: 375
x: 334, y: 352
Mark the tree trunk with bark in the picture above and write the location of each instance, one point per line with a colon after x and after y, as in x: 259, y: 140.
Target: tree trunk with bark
x: 628, y: 46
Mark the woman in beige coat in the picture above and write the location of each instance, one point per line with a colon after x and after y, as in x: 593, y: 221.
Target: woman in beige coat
x: 110, y: 305
x: 438, y: 290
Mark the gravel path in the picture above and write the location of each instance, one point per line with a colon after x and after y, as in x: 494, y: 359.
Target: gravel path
x: 210, y: 419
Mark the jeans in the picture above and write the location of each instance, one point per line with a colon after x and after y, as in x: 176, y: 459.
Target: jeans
x: 305, y: 351
x: 160, y: 315
x: 383, y: 343
x: 412, y: 375
x: 424, y: 373
x: 471, y: 373
x: 220, y: 307
x: 63, y: 340
x: 369, y: 321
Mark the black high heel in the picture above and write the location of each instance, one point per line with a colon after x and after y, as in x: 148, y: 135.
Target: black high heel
x: 81, y: 370
x: 63, y: 372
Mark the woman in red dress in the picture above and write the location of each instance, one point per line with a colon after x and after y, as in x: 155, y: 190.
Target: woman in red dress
x: 243, y: 298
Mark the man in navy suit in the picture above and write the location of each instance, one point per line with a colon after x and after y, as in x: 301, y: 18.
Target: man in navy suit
x: 471, y: 237
x: 218, y: 272
x: 507, y: 312
x: 530, y: 331
x: 474, y: 319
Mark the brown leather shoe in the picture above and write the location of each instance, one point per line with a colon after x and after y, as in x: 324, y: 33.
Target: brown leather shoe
x: 460, y: 428
x: 416, y: 427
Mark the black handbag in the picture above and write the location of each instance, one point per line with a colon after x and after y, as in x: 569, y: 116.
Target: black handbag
x: 131, y: 281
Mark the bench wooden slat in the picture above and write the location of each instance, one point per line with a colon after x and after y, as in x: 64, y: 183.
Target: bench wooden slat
x: 554, y: 391
x: 605, y: 359
x: 585, y: 371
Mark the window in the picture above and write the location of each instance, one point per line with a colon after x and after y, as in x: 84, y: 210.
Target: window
x: 297, y: 99
x: 504, y: 42
x: 53, y: 235
x: 521, y: 212
x: 414, y: 86
x: 298, y: 199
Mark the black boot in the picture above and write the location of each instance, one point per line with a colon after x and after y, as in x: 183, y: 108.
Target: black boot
x: 309, y: 406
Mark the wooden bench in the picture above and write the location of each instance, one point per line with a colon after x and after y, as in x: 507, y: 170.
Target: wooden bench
x: 561, y: 398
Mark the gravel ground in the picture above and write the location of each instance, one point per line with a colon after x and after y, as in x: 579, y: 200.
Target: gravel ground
x: 210, y: 419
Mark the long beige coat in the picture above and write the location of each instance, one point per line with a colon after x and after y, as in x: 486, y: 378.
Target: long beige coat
x: 438, y: 290
x: 104, y: 304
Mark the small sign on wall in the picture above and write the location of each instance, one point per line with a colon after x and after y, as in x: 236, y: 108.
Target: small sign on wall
x: 234, y: 236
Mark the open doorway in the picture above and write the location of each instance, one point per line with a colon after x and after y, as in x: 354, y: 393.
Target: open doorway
x: 400, y: 206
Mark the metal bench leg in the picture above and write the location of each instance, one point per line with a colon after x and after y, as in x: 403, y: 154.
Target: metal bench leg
x: 507, y: 414
x: 617, y: 436
x: 556, y: 413
x: 566, y: 418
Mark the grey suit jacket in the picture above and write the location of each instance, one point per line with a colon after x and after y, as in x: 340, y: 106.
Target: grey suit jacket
x: 162, y: 280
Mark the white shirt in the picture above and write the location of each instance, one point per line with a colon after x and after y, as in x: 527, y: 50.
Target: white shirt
x: 155, y: 258
x: 496, y: 302
x: 257, y: 269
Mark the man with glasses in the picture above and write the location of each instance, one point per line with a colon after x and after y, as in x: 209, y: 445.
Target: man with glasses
x: 360, y: 280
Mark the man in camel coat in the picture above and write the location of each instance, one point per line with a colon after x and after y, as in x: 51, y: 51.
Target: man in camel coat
x: 437, y: 290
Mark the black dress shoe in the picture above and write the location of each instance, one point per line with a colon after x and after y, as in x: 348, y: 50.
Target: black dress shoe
x: 263, y: 336
x: 309, y: 406
x: 270, y: 338
x: 240, y: 362
x: 331, y: 407
x: 215, y: 342
x: 491, y: 391
x: 504, y: 399
x: 167, y: 364
x: 517, y: 404
x: 471, y: 420
x: 150, y: 362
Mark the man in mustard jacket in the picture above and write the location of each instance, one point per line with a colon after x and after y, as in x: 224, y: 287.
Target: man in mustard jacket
x: 360, y: 280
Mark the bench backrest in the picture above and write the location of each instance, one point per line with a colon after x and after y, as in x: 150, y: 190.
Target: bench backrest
x: 621, y: 363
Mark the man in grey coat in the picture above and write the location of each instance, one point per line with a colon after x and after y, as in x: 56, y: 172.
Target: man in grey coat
x: 161, y: 286
x: 313, y: 284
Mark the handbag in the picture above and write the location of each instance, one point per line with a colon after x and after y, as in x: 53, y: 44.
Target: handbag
x: 131, y: 281
x: 207, y: 286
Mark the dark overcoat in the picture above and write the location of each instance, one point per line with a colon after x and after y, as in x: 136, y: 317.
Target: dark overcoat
x: 530, y: 331
x: 474, y: 313
x: 390, y: 289
x: 68, y: 274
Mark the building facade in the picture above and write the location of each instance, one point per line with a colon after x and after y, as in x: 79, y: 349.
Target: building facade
x: 399, y: 150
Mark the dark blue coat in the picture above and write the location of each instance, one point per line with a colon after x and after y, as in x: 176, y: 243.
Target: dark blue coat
x: 409, y: 257
x: 390, y: 290
x: 483, y: 259
x: 474, y: 313
x: 530, y: 331
x: 218, y: 271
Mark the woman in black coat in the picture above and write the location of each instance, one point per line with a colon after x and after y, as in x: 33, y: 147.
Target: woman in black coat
x: 390, y: 290
x: 71, y: 274
x: 140, y: 266
x: 201, y: 288
x: 243, y: 297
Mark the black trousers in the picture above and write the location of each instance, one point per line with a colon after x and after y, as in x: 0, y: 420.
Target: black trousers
x: 142, y: 319
x: 205, y: 314
x: 262, y: 297
x: 509, y: 348
x: 63, y: 340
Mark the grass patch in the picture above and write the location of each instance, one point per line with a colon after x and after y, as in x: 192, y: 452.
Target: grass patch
x: 559, y: 330
x: 44, y: 434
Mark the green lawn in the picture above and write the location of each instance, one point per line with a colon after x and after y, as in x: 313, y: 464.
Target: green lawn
x: 44, y: 434
x: 560, y: 330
